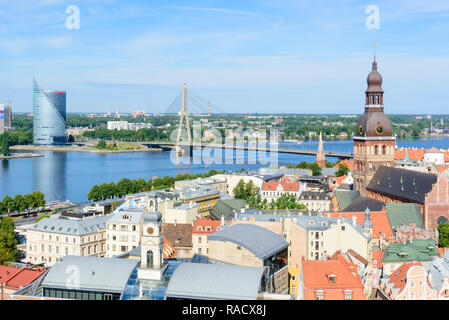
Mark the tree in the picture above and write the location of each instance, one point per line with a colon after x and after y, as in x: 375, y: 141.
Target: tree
x: 286, y: 201
x: 239, y: 190
x: 5, y: 144
x: 7, y: 204
x: 8, y: 242
x: 342, y: 170
x: 316, y: 170
x: 443, y: 235
x: 101, y: 144
x: 71, y: 139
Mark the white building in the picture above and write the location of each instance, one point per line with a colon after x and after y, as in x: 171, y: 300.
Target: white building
x: 434, y: 155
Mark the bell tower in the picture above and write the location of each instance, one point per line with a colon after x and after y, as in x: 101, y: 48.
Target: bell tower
x: 374, y: 142
x: 152, y: 246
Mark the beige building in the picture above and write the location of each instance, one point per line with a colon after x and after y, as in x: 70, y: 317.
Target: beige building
x: 315, y: 201
x: 123, y: 231
x: 232, y: 179
x: 51, y: 239
x: 184, y: 213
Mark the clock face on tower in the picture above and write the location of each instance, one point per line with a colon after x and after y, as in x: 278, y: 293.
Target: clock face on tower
x: 379, y: 130
x: 360, y: 130
x: 150, y: 230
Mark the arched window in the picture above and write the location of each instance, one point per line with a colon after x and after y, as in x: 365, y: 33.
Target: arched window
x: 377, y: 99
x: 384, y: 149
x: 371, y: 99
x: 149, y: 259
x: 375, y: 149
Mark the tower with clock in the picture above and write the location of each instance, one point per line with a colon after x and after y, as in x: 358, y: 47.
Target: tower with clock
x: 374, y: 143
x: 152, y: 246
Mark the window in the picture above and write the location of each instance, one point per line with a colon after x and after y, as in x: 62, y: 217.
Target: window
x: 199, y: 239
x: 319, y: 295
x: 199, y: 250
x: 342, y: 228
x: 293, y: 278
x: 348, y: 295
x: 66, y: 251
x: 293, y: 289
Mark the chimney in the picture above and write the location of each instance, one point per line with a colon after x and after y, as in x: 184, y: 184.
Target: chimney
x: 242, y: 210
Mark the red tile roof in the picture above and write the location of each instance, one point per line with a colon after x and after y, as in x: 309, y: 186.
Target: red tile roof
x: 441, y: 168
x: 286, y: 184
x: 433, y: 150
x: 446, y: 156
x: 348, y: 163
x: 203, y: 223
x: 13, y: 277
x: 316, y: 277
x: 413, y: 154
x: 379, y: 219
x: 376, y: 258
x: 398, y: 276
x: 169, y: 251
x: 339, y: 180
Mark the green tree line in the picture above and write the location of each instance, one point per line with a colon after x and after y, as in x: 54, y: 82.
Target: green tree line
x: 126, y: 186
x: 21, y: 203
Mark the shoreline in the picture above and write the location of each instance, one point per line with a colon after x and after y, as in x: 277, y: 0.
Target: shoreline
x: 21, y: 156
x: 78, y: 149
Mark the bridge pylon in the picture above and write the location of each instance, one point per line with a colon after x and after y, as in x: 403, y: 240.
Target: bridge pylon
x: 184, y: 114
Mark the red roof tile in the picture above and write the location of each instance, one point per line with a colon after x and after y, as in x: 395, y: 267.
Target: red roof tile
x: 18, y: 277
x: 316, y: 277
x: 286, y: 184
x: 348, y: 163
x: 379, y: 219
x: 398, y: 276
x: 203, y: 223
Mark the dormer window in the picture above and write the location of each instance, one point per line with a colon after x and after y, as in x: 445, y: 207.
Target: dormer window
x: 331, y: 278
x: 199, y: 228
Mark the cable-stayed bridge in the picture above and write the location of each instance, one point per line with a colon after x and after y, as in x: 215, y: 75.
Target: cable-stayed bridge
x: 194, y: 102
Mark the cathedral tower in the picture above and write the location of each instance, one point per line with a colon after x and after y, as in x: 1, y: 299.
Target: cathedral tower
x: 321, y: 156
x: 374, y: 142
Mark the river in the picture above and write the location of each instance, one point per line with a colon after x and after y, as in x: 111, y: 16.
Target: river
x: 70, y: 175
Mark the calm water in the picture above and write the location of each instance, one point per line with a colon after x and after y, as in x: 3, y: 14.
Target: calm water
x: 70, y: 175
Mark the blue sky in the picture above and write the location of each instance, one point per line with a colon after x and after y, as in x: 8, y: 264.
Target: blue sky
x: 302, y: 56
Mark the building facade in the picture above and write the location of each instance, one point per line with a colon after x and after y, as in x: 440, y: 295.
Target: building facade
x: 373, y: 141
x: 49, y: 112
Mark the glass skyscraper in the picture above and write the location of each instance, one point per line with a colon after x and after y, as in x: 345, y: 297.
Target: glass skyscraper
x: 49, y: 112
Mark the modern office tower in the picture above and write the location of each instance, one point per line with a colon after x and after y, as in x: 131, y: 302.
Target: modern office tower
x: 2, y: 118
x: 49, y: 112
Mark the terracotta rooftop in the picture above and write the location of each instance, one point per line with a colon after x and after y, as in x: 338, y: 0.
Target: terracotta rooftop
x: 286, y: 184
x: 379, y: 219
x: 18, y: 277
x: 316, y: 273
x: 413, y: 154
x: 348, y: 163
x: 398, y: 276
x: 204, y: 225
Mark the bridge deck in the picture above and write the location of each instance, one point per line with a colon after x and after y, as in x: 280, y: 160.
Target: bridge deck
x: 250, y: 148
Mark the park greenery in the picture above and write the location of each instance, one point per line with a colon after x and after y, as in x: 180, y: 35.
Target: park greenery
x: 443, y: 235
x: 22, y: 203
x: 313, y: 166
x: 126, y: 186
x: 250, y: 193
x: 8, y: 241
x: 342, y: 170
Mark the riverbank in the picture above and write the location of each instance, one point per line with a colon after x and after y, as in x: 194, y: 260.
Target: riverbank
x: 21, y: 155
x: 81, y: 149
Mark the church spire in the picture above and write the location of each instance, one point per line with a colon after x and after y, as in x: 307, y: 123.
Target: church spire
x: 321, y: 156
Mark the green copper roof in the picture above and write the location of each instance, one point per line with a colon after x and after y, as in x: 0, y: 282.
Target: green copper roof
x: 404, y: 213
x: 345, y: 198
x: 227, y: 207
x: 416, y: 251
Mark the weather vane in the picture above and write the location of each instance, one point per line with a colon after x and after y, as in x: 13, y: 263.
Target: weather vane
x: 374, y: 53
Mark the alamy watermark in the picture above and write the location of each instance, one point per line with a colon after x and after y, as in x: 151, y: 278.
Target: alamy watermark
x: 73, y: 19
x: 373, y: 20
x: 73, y: 277
x: 227, y: 146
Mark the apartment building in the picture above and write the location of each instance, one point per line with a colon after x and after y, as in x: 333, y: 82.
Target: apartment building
x: 123, y: 231
x: 51, y: 239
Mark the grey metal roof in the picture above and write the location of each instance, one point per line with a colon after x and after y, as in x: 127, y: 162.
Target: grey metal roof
x: 260, y: 241
x: 214, y: 281
x: 95, y: 274
x: 134, y: 216
x: 76, y: 227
